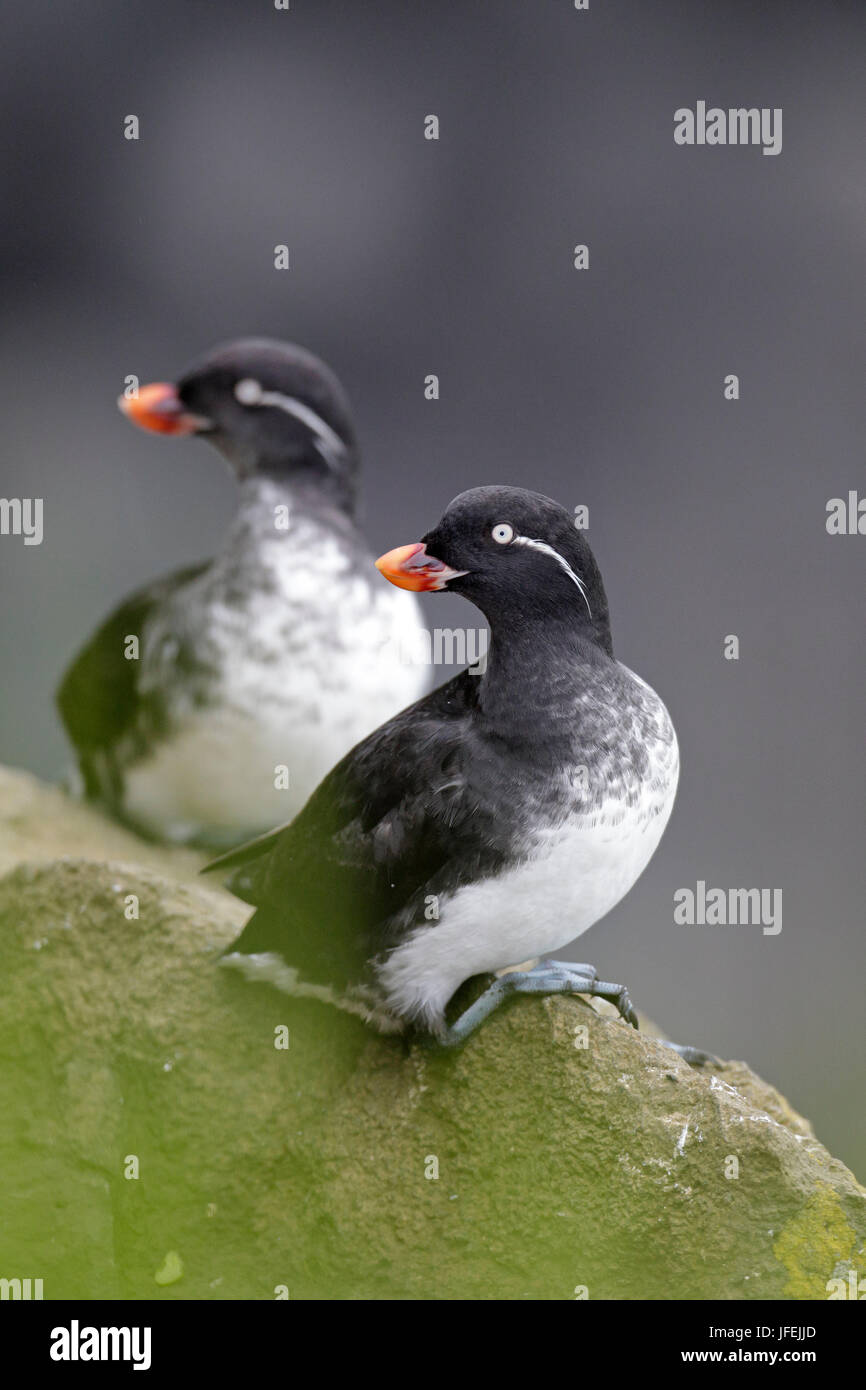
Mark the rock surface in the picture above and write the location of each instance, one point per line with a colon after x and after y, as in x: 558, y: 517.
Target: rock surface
x: 38, y: 822
x: 559, y: 1151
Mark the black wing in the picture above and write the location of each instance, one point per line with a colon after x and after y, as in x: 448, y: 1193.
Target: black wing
x: 383, y: 828
x: 250, y: 862
x: 98, y: 698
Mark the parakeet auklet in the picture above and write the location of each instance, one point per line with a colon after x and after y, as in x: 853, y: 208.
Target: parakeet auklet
x: 265, y: 664
x: 493, y: 821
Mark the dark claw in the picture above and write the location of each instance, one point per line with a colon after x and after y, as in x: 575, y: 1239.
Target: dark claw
x: 693, y: 1055
x: 618, y: 996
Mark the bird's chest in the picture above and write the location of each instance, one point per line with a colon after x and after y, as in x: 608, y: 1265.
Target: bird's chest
x: 269, y: 673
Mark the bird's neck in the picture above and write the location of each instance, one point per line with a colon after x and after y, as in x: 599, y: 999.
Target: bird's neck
x: 308, y: 473
x: 534, y: 672
x: 273, y: 510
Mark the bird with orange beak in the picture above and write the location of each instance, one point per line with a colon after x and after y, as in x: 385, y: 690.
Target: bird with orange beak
x: 252, y: 673
x: 492, y: 822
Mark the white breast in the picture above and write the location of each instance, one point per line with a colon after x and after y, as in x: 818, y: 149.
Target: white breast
x: 305, y: 669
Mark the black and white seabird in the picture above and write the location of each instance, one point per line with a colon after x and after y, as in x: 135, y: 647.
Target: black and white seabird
x: 493, y: 821
x: 262, y: 666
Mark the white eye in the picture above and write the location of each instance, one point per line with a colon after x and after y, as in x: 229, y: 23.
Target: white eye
x: 503, y: 533
x: 248, y: 392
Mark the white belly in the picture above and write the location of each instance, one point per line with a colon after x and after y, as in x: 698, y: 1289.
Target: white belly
x: 573, y: 875
x: 275, y: 715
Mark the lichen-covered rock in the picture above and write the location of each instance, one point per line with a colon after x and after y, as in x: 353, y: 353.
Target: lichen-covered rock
x: 38, y: 822
x: 171, y: 1131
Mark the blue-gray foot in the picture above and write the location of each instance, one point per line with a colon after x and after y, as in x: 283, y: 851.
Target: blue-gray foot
x: 550, y: 977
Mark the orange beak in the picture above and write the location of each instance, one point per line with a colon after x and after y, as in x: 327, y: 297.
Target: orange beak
x: 410, y: 567
x: 158, y: 407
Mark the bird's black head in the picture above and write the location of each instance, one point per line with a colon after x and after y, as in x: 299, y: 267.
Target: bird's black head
x: 268, y: 407
x: 516, y: 555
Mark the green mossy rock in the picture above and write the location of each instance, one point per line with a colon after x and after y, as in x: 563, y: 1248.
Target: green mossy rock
x: 312, y: 1168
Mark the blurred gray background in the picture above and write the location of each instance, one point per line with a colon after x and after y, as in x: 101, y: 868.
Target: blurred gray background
x: 601, y: 387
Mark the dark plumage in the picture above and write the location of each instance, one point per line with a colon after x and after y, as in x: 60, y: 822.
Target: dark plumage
x: 491, y: 822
